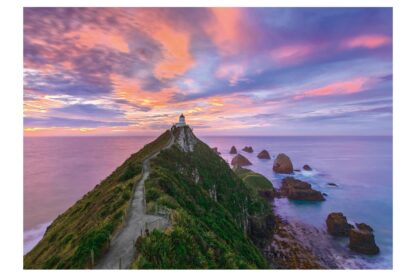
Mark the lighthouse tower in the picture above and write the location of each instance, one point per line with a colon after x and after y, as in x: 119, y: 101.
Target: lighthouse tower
x: 181, y: 122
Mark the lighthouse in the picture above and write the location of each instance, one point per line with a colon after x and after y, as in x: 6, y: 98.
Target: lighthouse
x: 181, y: 122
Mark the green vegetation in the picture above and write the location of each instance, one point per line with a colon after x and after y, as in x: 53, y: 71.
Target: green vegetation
x: 88, y: 225
x: 253, y: 179
x: 217, y: 220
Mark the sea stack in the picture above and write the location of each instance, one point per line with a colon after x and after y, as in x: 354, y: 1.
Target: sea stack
x: 240, y: 160
x: 298, y: 190
x: 264, y: 155
x: 337, y: 225
x: 248, y: 149
x: 362, y: 240
x: 283, y: 164
x: 233, y: 150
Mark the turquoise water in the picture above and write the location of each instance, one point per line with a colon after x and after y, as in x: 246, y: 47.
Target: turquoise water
x: 58, y: 171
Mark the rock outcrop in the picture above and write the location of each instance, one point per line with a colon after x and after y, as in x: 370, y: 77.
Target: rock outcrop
x: 307, y: 167
x: 283, y: 164
x: 287, y: 251
x: 240, y: 160
x: 337, y: 225
x: 215, y: 149
x: 185, y: 138
x: 233, y: 150
x: 298, y: 190
x: 362, y: 240
x: 264, y: 155
x: 248, y: 149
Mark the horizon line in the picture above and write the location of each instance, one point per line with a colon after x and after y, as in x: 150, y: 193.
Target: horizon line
x: 146, y: 136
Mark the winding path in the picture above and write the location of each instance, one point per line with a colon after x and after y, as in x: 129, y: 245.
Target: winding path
x: 122, y: 249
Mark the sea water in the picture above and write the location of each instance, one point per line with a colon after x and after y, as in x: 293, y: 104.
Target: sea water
x: 59, y: 170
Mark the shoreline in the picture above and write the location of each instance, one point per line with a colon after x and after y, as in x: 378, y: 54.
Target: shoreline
x: 298, y: 245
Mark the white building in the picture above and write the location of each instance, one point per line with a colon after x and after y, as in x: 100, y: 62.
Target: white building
x: 181, y: 122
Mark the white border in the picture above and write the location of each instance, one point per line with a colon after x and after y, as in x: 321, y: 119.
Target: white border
x: 11, y: 16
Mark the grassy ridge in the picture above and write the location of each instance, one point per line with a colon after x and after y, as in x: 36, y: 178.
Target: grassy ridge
x: 254, y: 180
x: 217, y: 220
x: 88, y: 225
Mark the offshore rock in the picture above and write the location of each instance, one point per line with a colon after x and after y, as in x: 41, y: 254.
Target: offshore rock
x: 248, y: 149
x: 362, y: 240
x: 307, y: 167
x: 264, y: 155
x: 283, y: 164
x: 337, y: 225
x: 240, y: 160
x: 298, y: 190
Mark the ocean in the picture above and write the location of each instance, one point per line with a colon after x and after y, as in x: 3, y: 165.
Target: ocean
x: 59, y: 170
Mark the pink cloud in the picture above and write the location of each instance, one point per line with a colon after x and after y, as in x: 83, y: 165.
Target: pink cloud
x: 233, y: 72
x: 292, y: 53
x: 344, y: 87
x: 226, y: 30
x: 367, y: 41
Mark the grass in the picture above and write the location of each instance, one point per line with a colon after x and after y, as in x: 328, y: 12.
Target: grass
x: 253, y: 179
x: 89, y: 224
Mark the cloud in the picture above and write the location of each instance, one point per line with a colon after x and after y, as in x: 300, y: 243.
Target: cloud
x: 342, y: 87
x: 367, y: 41
x: 225, y: 28
x: 89, y: 110
x: 69, y: 83
x: 234, y: 73
x: 292, y: 53
x: 68, y: 122
x: 177, y: 58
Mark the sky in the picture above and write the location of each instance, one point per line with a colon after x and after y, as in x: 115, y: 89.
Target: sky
x: 230, y: 71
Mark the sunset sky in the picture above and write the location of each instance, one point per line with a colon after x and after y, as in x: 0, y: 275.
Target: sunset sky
x: 254, y: 71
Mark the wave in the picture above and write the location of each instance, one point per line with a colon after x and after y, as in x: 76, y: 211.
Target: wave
x: 33, y: 236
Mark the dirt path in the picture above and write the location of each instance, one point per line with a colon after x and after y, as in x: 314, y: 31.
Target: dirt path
x: 122, y: 250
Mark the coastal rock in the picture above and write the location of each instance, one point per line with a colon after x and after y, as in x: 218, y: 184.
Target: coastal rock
x: 248, y: 149
x: 215, y: 149
x: 332, y: 184
x: 337, y: 225
x: 362, y: 240
x: 365, y: 227
x: 283, y: 164
x: 240, y: 160
x: 287, y: 249
x: 307, y: 167
x: 298, y: 190
x: 233, y: 150
x: 264, y: 155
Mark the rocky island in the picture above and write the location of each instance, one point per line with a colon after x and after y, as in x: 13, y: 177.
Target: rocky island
x: 298, y: 190
x: 240, y: 160
x: 282, y: 164
x: 264, y: 155
x: 248, y: 149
